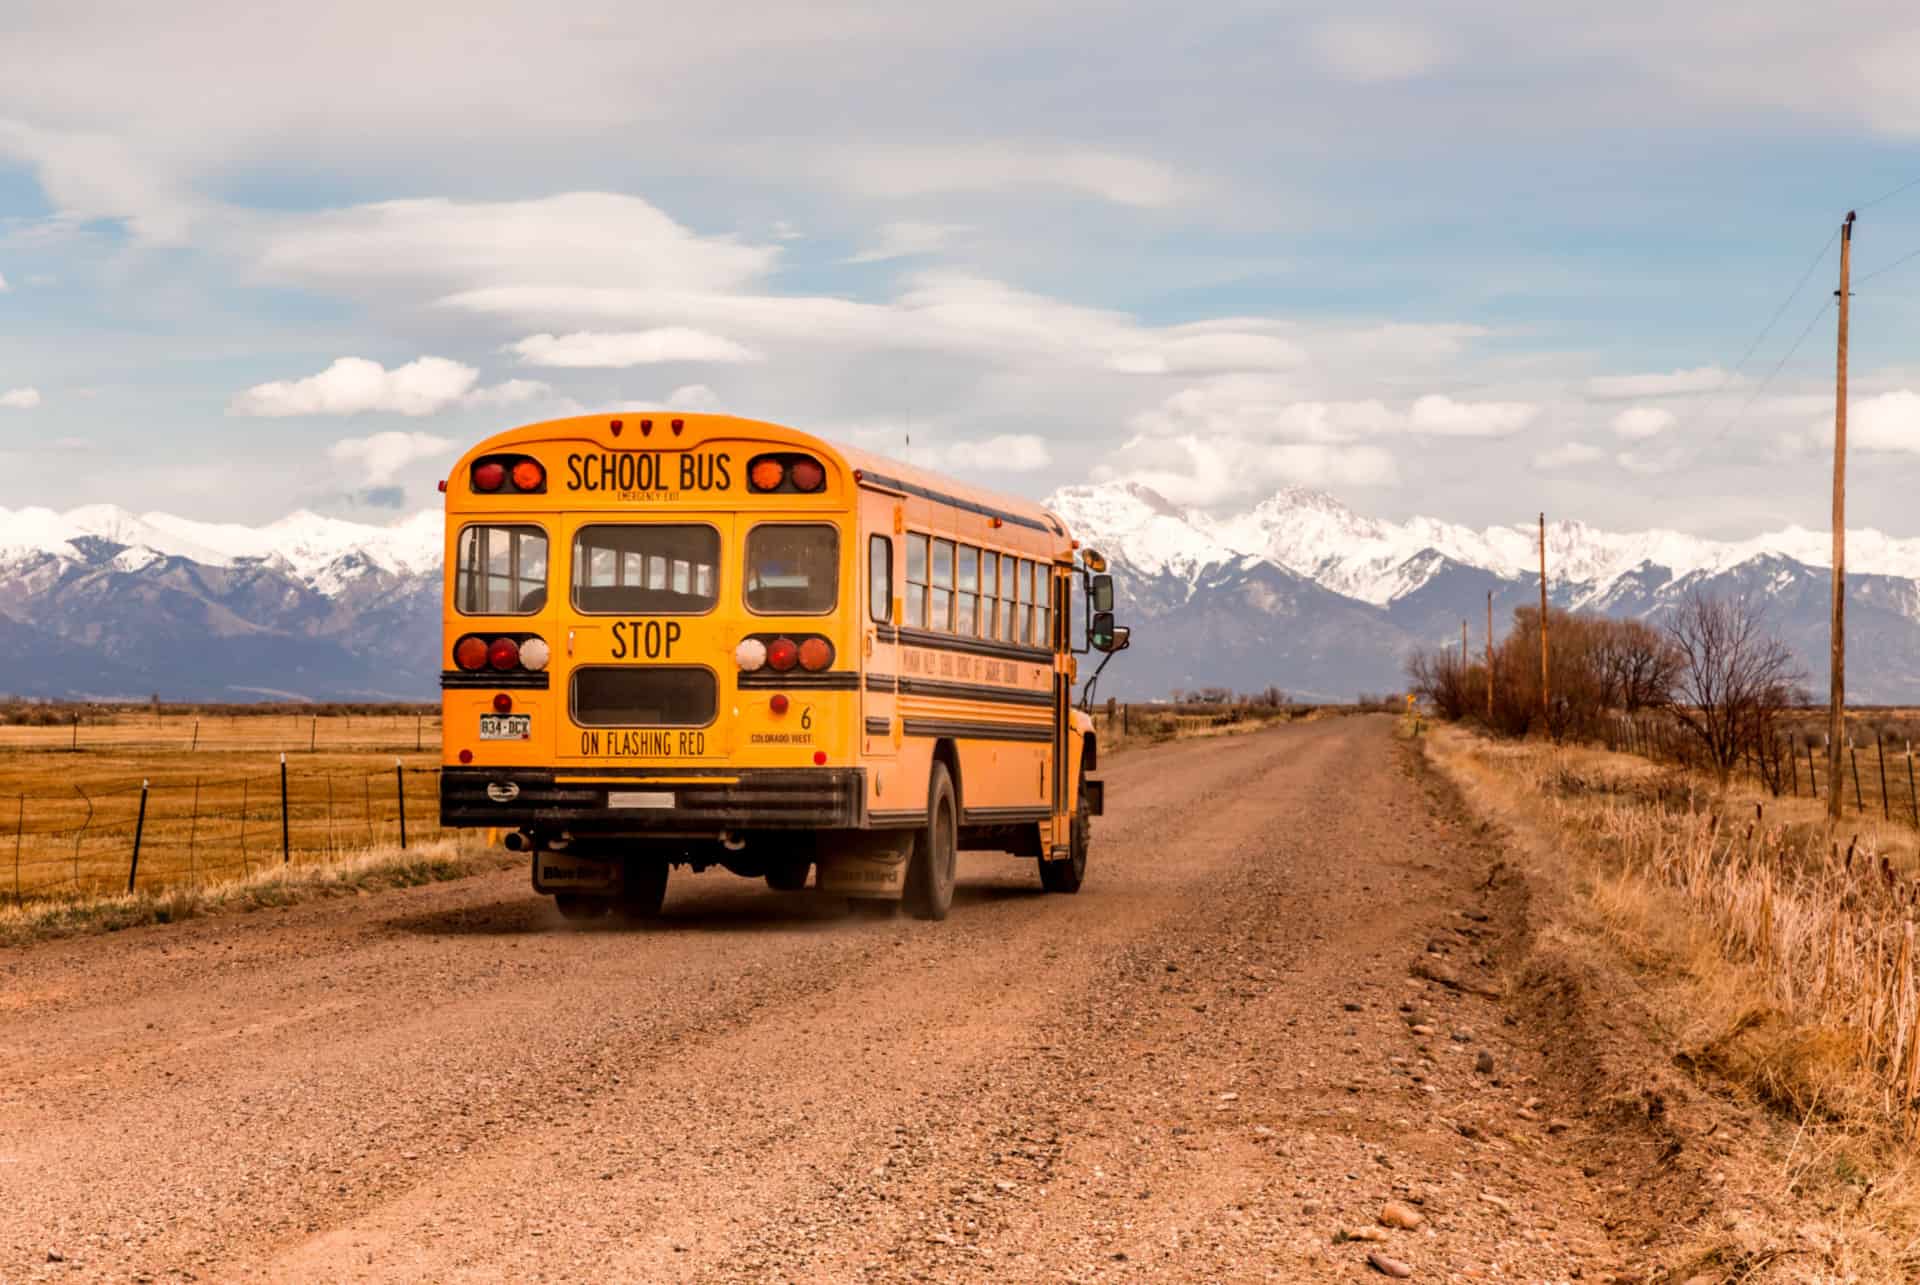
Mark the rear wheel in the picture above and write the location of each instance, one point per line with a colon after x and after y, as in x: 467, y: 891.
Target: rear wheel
x: 1067, y: 874
x: 645, y: 892
x: 936, y: 847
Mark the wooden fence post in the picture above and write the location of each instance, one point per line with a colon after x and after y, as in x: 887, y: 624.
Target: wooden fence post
x: 400, y: 797
x: 286, y: 840
x: 1881, y: 744
x: 1853, y: 755
x: 19, y: 829
x: 139, y: 826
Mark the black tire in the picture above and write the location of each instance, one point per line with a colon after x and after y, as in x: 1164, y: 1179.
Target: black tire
x: 1066, y: 875
x: 646, y: 891
x: 789, y: 876
x: 577, y: 908
x: 936, y: 849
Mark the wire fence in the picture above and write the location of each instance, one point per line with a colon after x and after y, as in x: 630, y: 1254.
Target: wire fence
x: 120, y: 731
x: 1877, y: 770
x: 91, y: 840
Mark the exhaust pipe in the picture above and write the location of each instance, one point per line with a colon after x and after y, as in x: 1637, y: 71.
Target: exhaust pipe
x: 518, y: 842
x: 731, y: 841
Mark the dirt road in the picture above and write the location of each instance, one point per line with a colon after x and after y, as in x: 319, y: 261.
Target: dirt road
x: 1204, y: 1066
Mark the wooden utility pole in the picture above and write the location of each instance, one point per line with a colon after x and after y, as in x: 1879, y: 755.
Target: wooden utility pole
x: 1837, y: 682
x: 1463, y: 645
x: 1544, y: 705
x: 1489, y: 657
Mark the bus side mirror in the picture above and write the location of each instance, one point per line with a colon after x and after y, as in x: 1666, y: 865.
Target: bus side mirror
x: 1102, y: 634
x: 1100, y: 590
x: 1122, y: 638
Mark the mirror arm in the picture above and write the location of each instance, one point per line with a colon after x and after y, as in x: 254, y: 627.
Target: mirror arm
x: 1093, y: 681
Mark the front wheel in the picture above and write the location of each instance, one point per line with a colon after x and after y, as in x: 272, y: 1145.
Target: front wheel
x: 930, y: 870
x: 1067, y: 874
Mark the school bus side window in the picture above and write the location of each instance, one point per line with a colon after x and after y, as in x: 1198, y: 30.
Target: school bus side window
x: 989, y: 594
x: 793, y: 570
x: 940, y: 598
x: 966, y: 596
x: 1042, y: 608
x: 916, y: 581
x: 501, y: 571
x: 879, y: 579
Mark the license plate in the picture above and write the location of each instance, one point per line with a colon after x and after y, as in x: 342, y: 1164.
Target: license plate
x: 639, y: 798
x: 506, y: 727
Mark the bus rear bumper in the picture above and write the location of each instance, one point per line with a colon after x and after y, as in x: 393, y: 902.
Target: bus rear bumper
x: 688, y: 803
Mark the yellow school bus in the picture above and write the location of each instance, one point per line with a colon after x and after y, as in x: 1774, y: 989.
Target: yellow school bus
x: 696, y: 640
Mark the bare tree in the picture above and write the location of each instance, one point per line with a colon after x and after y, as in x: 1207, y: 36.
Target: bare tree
x: 1638, y: 664
x: 1734, y: 677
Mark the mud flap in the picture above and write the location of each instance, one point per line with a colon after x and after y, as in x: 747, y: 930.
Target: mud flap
x: 563, y: 872
x: 1096, y: 797
x: 869, y: 863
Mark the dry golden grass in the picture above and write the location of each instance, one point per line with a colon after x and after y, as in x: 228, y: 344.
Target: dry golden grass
x: 351, y: 873
x: 1780, y: 955
x: 213, y: 811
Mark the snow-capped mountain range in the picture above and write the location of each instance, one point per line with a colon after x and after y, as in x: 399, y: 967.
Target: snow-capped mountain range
x: 1299, y: 592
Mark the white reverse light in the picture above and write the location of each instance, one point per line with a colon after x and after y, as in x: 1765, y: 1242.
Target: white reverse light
x: 750, y: 655
x: 534, y: 653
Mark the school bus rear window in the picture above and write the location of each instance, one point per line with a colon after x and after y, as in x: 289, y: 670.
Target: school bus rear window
x: 501, y: 571
x: 793, y: 569
x: 646, y: 569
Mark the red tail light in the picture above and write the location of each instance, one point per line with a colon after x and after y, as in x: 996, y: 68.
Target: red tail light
x: 502, y: 703
x: 489, y: 476
x: 778, y: 704
x: 529, y: 476
x: 504, y: 653
x: 782, y: 654
x: 470, y: 652
x: 816, y: 654
x: 807, y: 475
x: 767, y: 474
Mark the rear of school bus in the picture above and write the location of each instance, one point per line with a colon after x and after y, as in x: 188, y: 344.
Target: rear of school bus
x: 650, y: 655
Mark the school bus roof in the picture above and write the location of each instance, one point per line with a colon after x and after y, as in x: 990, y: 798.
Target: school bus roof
x: 878, y: 469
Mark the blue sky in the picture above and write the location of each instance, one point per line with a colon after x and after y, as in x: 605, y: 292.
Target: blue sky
x: 1470, y: 261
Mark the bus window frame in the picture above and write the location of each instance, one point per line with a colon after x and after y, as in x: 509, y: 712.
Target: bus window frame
x: 745, y: 562
x: 880, y: 609
x: 573, y: 586
x: 546, y: 584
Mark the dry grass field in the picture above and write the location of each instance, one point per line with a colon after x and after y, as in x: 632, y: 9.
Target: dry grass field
x: 1777, y: 949
x: 70, y: 796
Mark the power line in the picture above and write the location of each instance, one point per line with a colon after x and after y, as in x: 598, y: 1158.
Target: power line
x: 1778, y: 366
x: 1908, y: 186
x: 1915, y: 254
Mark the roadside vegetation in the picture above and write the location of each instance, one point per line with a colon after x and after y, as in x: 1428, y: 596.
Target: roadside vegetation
x: 1774, y: 951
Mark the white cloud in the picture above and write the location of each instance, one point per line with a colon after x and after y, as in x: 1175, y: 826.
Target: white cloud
x: 1369, y: 51
x: 20, y: 398
x: 1888, y: 422
x: 1674, y: 383
x: 599, y: 239
x: 907, y: 239
x: 1567, y: 455
x: 383, y: 455
x: 694, y: 397
x: 101, y: 176
x: 1441, y: 416
x: 354, y: 385
x: 1637, y: 423
x: 1001, y: 453
x: 1208, y: 470
x: 1189, y: 350
x: 3, y: 283
x: 507, y: 393
x: 1650, y: 462
x: 896, y: 172
x: 586, y: 348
